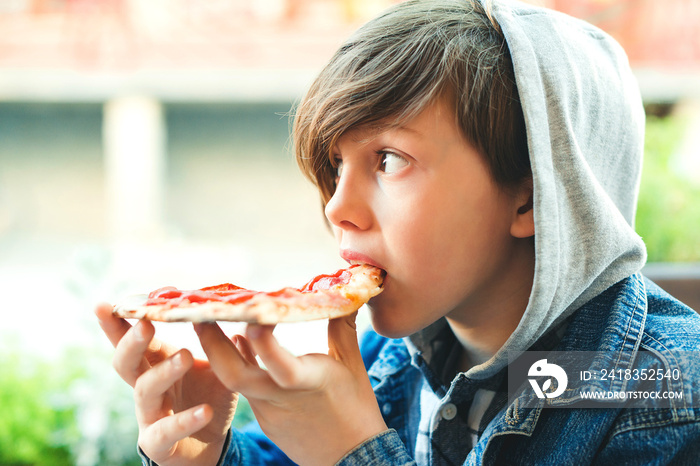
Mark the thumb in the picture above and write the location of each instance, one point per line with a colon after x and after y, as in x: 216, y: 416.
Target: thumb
x: 342, y: 342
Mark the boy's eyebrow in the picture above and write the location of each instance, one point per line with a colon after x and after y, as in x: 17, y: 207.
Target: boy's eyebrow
x: 363, y: 133
x: 408, y: 129
x: 366, y: 134
x: 378, y: 129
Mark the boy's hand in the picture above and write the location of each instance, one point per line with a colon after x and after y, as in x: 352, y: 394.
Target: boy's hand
x: 316, y: 408
x: 182, y: 409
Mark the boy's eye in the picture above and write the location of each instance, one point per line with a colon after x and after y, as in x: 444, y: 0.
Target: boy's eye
x: 391, y: 162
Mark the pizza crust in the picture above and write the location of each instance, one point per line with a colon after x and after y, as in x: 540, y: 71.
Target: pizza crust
x: 291, y: 305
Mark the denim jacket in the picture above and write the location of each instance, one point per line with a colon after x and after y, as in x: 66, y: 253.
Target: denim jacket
x: 633, y: 315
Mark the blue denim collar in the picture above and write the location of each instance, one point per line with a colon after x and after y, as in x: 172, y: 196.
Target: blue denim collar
x: 393, y: 358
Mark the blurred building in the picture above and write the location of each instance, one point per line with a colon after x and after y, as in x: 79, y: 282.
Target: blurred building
x: 176, y: 49
x: 112, y: 110
x: 129, y: 118
x: 662, y: 40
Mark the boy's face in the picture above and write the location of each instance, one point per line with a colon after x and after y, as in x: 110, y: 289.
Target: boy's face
x: 419, y: 202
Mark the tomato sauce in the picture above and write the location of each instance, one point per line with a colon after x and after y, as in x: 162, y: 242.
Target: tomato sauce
x: 233, y: 294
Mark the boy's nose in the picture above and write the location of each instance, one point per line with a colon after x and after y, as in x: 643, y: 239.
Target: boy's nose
x: 347, y: 208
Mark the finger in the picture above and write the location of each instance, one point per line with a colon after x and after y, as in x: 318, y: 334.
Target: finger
x: 159, y: 438
x: 243, y: 346
x: 342, y: 341
x: 129, y: 360
x: 114, y: 327
x: 152, y: 385
x: 284, y: 368
x: 232, y: 368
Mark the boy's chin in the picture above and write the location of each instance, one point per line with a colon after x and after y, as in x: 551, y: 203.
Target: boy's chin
x: 389, y: 324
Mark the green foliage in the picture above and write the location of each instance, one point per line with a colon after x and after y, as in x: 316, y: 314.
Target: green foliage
x: 32, y: 431
x: 69, y: 411
x: 668, y: 214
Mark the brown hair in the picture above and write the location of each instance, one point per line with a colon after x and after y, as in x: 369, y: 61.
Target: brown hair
x: 396, y: 65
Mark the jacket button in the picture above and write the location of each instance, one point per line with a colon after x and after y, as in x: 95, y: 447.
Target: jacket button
x: 386, y: 409
x: 448, y: 412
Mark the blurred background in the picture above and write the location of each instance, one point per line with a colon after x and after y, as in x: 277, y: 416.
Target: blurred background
x: 146, y: 143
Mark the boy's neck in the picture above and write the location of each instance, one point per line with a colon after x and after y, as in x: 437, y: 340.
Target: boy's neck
x: 482, y: 337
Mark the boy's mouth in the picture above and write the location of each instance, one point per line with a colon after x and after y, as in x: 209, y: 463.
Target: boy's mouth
x: 354, y: 257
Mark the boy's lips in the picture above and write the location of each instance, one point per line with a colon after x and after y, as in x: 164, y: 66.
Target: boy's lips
x: 354, y: 257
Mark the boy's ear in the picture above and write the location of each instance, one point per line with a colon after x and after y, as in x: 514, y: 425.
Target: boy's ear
x: 523, y: 225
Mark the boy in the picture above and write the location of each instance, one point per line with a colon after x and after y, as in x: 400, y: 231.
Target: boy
x: 487, y: 157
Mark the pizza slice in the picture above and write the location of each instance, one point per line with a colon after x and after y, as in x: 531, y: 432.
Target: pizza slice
x: 324, y: 297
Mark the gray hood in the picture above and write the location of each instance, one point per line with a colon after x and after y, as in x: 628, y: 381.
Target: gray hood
x: 585, y: 134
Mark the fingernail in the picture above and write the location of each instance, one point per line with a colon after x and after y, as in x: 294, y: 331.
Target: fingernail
x: 198, y: 414
x: 197, y: 328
